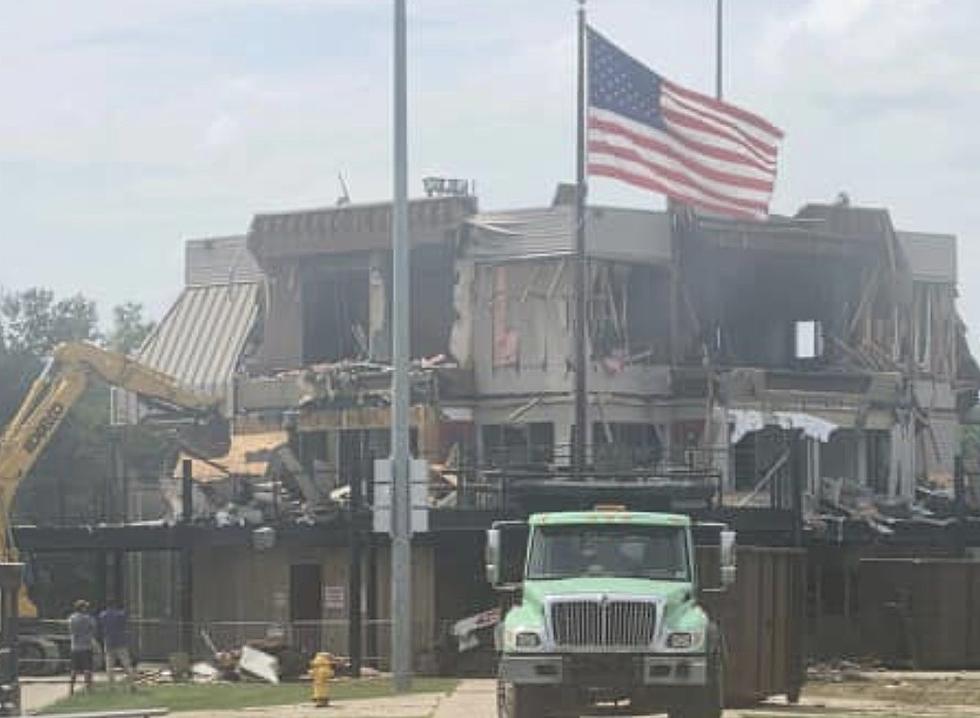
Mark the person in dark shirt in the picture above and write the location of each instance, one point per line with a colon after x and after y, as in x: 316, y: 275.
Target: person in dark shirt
x: 81, y: 627
x: 115, y: 642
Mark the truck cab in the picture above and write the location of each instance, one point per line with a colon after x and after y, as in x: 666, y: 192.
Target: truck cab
x: 606, y: 610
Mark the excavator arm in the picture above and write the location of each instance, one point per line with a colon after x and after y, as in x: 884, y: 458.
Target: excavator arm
x: 52, y: 395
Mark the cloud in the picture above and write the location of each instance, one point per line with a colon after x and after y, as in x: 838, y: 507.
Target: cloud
x: 131, y: 126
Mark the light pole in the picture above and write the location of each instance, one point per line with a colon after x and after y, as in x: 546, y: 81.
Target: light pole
x: 401, y: 510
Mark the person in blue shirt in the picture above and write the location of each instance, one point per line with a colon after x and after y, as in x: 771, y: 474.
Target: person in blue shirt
x: 115, y: 642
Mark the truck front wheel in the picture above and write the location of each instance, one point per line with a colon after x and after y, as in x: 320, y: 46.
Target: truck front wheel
x: 517, y: 701
x: 711, y: 702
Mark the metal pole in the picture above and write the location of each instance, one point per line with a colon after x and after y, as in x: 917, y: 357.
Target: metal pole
x: 401, y: 530
x: 354, y: 576
x: 186, y: 491
x: 959, y: 504
x: 581, y: 366
x: 186, y: 561
x: 718, y: 45
x: 11, y: 577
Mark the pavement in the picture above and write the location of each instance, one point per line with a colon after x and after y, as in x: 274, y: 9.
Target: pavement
x: 36, y: 694
x: 472, y: 699
x: 417, y: 705
x: 476, y: 698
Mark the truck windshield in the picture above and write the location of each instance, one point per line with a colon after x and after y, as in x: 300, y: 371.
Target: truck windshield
x: 626, y: 551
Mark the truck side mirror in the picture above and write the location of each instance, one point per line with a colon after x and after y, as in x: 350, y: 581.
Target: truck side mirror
x: 492, y: 557
x: 505, y: 551
x: 727, y: 562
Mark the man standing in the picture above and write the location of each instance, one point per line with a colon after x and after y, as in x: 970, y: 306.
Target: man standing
x: 115, y: 641
x: 81, y: 626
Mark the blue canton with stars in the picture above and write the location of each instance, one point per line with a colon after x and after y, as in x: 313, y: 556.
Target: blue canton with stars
x: 621, y: 84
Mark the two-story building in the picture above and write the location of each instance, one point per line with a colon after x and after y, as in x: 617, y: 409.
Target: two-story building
x: 824, y: 345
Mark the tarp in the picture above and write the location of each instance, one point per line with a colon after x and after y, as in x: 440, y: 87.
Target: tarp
x: 748, y: 420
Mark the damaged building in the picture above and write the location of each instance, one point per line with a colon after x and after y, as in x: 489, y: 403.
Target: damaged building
x: 824, y: 346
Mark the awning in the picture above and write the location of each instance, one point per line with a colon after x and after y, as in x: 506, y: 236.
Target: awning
x: 199, y: 342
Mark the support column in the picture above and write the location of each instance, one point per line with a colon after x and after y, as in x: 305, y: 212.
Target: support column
x: 379, y: 329
x: 186, y: 561
x: 119, y: 576
x: 101, y: 579
x: 861, y: 444
x: 186, y: 601
x: 354, y: 580
x: 11, y: 577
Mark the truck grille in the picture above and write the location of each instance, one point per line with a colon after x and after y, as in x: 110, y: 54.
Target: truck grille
x: 610, y: 623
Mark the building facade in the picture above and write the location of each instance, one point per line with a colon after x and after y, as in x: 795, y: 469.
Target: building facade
x: 824, y: 345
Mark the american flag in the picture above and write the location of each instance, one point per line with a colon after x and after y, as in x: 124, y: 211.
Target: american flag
x: 649, y: 132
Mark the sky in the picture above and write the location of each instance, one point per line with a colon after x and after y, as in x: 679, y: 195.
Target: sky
x: 129, y: 126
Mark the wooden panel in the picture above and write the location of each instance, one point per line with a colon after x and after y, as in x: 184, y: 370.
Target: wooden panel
x: 921, y: 609
x: 760, y: 618
x: 972, y: 628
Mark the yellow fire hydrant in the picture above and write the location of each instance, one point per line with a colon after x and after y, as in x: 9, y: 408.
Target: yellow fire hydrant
x: 321, y: 671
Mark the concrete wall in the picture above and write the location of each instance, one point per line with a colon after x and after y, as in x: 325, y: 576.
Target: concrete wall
x: 250, y: 587
x: 282, y: 338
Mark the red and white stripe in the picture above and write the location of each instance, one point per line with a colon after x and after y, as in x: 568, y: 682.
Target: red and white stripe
x: 710, y: 154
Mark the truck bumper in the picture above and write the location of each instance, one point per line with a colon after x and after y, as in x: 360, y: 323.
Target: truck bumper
x: 602, y: 670
x: 536, y: 670
x: 675, y: 670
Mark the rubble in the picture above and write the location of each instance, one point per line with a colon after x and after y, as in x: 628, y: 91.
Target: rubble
x: 840, y: 671
x: 260, y: 664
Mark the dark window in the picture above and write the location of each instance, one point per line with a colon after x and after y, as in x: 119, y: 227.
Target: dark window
x: 431, y: 287
x: 627, y: 550
x: 878, y: 449
x: 305, y: 591
x: 335, y: 316
x: 622, y: 445
x: 518, y: 444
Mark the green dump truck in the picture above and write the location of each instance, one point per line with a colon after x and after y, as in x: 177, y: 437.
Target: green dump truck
x: 605, y: 610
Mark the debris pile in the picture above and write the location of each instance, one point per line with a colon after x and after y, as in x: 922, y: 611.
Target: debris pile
x: 271, y: 659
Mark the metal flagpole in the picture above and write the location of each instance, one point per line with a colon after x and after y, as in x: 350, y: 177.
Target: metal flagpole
x: 581, y: 367
x: 401, y: 510
x: 718, y: 45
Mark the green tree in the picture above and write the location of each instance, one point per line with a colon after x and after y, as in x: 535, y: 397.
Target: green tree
x: 129, y: 328
x: 33, y: 322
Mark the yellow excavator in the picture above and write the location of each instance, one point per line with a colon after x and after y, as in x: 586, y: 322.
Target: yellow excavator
x: 71, y: 367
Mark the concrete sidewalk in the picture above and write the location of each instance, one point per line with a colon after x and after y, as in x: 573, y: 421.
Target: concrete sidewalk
x: 476, y: 698
x: 418, y: 705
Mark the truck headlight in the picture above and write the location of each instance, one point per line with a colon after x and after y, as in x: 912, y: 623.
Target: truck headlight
x: 680, y: 641
x: 527, y: 639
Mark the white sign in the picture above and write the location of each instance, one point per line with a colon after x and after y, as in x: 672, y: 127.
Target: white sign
x: 419, y: 473
x: 334, y: 598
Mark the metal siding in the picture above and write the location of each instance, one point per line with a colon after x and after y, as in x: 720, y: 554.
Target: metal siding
x: 932, y: 257
x: 611, y: 233
x: 219, y: 260
x: 199, y: 340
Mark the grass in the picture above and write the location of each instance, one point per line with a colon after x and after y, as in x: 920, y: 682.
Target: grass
x: 229, y: 696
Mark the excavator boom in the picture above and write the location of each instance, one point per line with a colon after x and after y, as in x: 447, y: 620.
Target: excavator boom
x: 52, y: 395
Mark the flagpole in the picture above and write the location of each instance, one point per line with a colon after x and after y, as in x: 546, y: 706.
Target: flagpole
x: 580, y: 438
x: 718, y: 45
